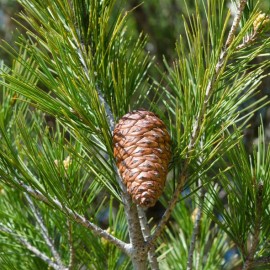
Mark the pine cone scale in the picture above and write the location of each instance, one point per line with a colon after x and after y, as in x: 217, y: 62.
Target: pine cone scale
x: 142, y: 152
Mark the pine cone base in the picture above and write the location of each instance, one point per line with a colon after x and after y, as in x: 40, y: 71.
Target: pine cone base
x: 142, y: 152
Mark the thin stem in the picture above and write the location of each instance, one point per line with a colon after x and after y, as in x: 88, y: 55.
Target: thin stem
x: 196, y: 228
x: 71, y: 264
x: 257, y: 229
x: 44, y: 231
x: 138, y: 250
x: 218, y: 68
x: 235, y: 23
x: 126, y: 248
x: 31, y: 248
x: 100, y: 95
x: 208, y: 92
x: 198, y: 217
x: 167, y: 213
x: 196, y: 128
x: 248, y: 41
x: 146, y: 234
x: 107, y: 109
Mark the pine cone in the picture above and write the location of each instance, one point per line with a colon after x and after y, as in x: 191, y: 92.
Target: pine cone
x: 142, y: 152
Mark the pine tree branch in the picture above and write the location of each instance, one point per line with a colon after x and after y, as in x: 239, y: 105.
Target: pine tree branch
x: 100, y: 95
x: 126, y: 248
x: 71, y: 264
x: 44, y: 231
x: 196, y: 228
x: 137, y: 250
x: 196, y: 128
x: 198, y: 217
x: 235, y: 23
x: 248, y: 41
x: 31, y: 248
x: 257, y: 229
x: 146, y: 234
x: 161, y: 225
x: 219, y: 66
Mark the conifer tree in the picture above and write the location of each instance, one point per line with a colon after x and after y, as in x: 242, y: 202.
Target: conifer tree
x: 74, y: 195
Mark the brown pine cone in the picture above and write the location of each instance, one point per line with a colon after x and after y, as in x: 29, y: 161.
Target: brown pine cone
x: 142, y: 152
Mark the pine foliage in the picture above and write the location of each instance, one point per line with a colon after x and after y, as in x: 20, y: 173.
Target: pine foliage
x: 76, y: 71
